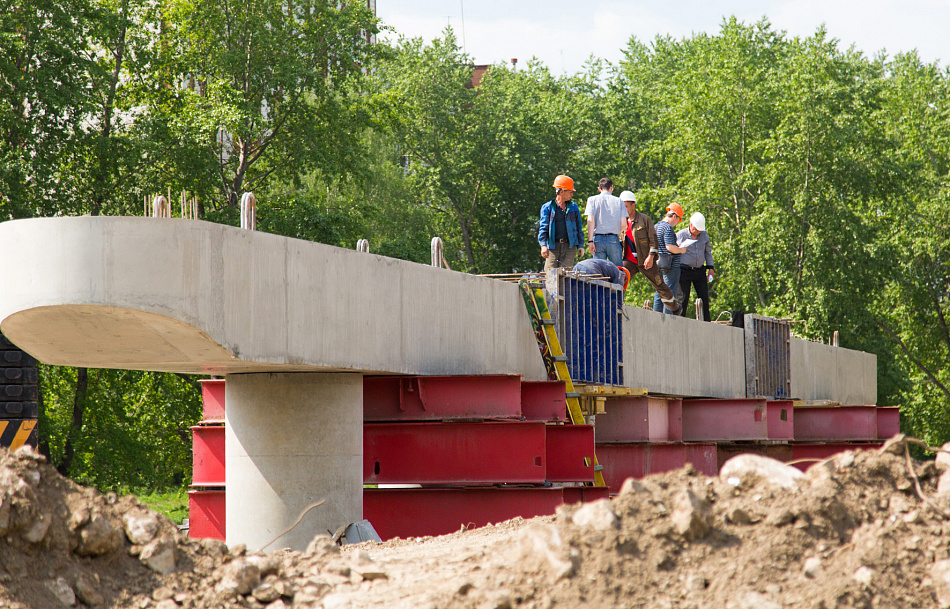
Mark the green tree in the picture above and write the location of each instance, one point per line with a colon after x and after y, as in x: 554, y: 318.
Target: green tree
x: 483, y: 157
x: 261, y: 89
x: 44, y: 89
x: 134, y: 433
x: 913, y: 307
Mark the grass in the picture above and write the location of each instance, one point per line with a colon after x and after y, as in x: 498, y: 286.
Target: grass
x: 173, y: 503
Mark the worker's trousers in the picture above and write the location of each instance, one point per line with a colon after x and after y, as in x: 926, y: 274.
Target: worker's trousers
x: 656, y: 280
x: 562, y: 256
x: 690, y: 277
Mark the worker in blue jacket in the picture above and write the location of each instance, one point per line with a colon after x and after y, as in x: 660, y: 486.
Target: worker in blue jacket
x: 560, y: 234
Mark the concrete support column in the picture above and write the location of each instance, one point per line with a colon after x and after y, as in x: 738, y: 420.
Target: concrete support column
x: 292, y: 439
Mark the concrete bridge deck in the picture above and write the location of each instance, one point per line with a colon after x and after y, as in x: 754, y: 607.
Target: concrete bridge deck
x: 295, y: 324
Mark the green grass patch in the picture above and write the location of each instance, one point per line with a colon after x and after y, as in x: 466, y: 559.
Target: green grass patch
x: 173, y: 503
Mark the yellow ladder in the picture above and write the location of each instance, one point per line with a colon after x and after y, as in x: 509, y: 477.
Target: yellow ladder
x: 555, y: 362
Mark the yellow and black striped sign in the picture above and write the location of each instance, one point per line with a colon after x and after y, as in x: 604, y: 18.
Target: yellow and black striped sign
x: 17, y: 432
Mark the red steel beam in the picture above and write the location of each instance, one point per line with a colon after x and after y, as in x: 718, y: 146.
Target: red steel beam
x: 207, y: 455
x: 888, y: 421
x: 838, y: 423
x: 622, y: 461
x: 417, y: 512
x: 212, y: 399
x: 641, y: 419
x: 780, y: 420
x: 585, y: 494
x: 570, y: 453
x: 704, y: 457
x: 544, y: 401
x: 737, y: 419
x: 454, y: 453
x: 206, y: 514
x: 421, y: 398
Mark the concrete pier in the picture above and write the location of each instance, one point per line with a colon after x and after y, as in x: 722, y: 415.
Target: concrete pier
x: 291, y: 440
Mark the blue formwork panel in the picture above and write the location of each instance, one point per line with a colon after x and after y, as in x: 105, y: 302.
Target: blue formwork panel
x: 589, y: 328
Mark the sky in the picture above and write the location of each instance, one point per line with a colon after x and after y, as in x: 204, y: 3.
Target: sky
x: 563, y: 34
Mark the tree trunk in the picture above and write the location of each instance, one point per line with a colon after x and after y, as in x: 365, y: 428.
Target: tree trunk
x: 79, y: 407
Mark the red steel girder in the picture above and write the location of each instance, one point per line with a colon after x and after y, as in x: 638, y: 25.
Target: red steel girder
x: 207, y: 455
x: 780, y: 420
x: 724, y: 419
x: 206, y: 514
x: 544, y: 401
x: 422, y: 398
x: 585, y: 494
x: 703, y: 457
x: 212, y: 399
x: 836, y: 423
x: 825, y: 450
x: 641, y: 419
x: 888, y: 421
x: 454, y: 453
x: 570, y: 453
x: 622, y: 461
x: 417, y: 512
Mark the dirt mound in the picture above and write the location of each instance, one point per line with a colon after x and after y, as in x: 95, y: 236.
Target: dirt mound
x: 864, y: 529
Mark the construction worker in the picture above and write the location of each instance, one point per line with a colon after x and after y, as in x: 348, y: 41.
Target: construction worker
x: 560, y: 234
x: 606, y: 221
x: 599, y: 267
x: 641, y: 247
x: 696, y: 263
x: 669, y: 252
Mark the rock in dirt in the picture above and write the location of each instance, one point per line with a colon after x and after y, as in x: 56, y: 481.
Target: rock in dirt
x: 62, y: 591
x: 746, y: 469
x: 756, y: 600
x: 160, y: 555
x: 543, y: 547
x: 597, y: 515
x: 99, y: 536
x: 691, y: 516
x: 940, y: 573
x: 943, y: 461
x: 240, y: 578
x: 87, y: 591
x: 37, y: 532
x: 140, y: 528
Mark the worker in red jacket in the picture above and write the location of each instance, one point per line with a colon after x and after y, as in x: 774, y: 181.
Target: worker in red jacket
x: 640, y: 250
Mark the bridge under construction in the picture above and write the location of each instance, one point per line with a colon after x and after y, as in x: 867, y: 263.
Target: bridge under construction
x: 303, y: 332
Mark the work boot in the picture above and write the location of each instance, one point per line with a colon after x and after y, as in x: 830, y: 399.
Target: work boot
x: 672, y: 305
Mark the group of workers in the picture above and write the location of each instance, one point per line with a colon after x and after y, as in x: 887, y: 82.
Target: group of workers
x: 623, y: 241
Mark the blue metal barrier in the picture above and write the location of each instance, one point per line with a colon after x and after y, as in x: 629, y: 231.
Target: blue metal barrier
x: 589, y: 327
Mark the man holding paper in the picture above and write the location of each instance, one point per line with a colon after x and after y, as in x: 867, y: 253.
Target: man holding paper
x: 696, y: 263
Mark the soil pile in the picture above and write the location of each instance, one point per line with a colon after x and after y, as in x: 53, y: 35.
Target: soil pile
x: 864, y: 529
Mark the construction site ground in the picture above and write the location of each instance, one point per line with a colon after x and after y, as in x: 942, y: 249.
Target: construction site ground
x: 864, y: 529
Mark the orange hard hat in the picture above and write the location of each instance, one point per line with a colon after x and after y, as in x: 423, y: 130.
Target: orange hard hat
x: 564, y: 183
x: 627, y: 273
x: 675, y: 207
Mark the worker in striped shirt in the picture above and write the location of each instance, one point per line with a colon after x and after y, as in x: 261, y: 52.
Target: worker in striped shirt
x: 668, y: 253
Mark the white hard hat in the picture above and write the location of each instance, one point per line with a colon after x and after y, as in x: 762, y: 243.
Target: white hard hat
x: 698, y: 220
x: 628, y: 196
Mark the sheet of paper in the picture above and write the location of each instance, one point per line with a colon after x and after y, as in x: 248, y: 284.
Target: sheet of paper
x: 687, y: 242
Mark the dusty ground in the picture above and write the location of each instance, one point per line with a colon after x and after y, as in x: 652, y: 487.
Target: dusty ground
x: 855, y: 531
